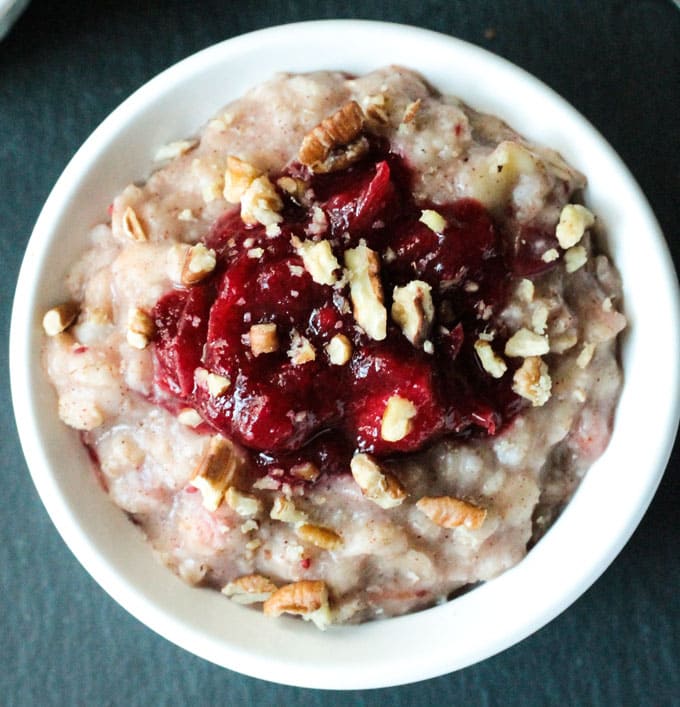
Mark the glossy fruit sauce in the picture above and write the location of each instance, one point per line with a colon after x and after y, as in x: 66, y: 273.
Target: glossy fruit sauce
x: 318, y: 412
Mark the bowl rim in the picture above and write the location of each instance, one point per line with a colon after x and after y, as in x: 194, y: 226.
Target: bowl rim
x: 400, y: 665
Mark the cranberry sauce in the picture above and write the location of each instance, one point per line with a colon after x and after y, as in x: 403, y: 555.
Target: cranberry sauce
x: 289, y: 412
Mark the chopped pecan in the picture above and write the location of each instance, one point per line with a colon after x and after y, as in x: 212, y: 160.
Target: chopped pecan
x: 525, y: 342
x: 215, y: 472
x: 396, y: 420
x: 318, y: 260
x: 132, y: 226
x: 532, y: 381
x: 363, y: 266
x: 140, y: 328
x: 249, y: 589
x: 325, y: 538
x: 263, y: 338
x: 449, y: 512
x: 338, y: 130
x: 377, y: 485
x: 339, y: 350
x: 60, y: 318
x: 199, y: 262
x: 413, y: 311
x: 491, y: 362
x: 307, y: 598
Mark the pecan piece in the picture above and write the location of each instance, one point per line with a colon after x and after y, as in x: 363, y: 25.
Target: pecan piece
x: 413, y: 311
x: 325, y: 538
x: 449, y: 512
x: 377, y: 485
x: 338, y: 130
x: 249, y: 589
x: 307, y: 598
x: 365, y: 288
x: 215, y: 472
x: 60, y: 318
x: 199, y: 262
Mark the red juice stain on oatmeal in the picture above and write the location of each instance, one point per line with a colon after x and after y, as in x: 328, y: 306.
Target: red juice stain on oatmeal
x: 291, y: 405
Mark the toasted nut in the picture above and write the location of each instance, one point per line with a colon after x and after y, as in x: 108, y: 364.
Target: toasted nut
x: 449, y: 512
x: 60, y: 318
x: 433, y: 220
x: 296, y: 188
x: 140, y: 328
x: 249, y: 589
x: 261, y: 203
x: 217, y: 385
x: 413, y: 311
x: 215, y: 472
x: 285, y: 511
x: 375, y: 108
x: 539, y: 317
x: 244, y: 504
x: 377, y: 485
x: 199, y: 262
x: 526, y: 343
x: 132, y: 227
x: 237, y: 178
x: 339, y: 350
x: 525, y: 290
x: 263, y: 339
x: 307, y: 598
x: 411, y: 111
x: 574, y: 220
x: 575, y: 258
x: 363, y: 265
x: 174, y: 149
x: 318, y: 260
x: 586, y: 355
x: 532, y: 381
x: 305, y: 470
x: 337, y: 130
x: 396, y: 420
x: 342, y: 159
x: 189, y: 417
x: 491, y: 362
x: 550, y: 255
x: 325, y: 538
x: 301, y: 350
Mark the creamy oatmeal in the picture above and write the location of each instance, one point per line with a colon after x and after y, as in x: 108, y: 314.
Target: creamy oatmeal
x: 346, y: 353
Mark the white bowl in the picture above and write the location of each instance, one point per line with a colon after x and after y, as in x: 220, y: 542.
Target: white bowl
x: 592, y: 530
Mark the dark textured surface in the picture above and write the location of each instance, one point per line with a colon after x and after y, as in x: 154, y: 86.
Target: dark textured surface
x: 63, y: 68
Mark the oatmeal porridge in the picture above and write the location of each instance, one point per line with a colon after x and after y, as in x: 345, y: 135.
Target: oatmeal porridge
x: 347, y: 352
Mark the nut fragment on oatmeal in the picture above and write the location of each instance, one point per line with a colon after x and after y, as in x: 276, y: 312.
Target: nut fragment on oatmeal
x: 550, y: 255
x: 318, y: 260
x: 433, y: 220
x: 199, y: 262
x: 396, y: 420
x: 285, y: 510
x: 449, y: 512
x: 363, y: 266
x: 307, y: 598
x: 217, y: 385
x: 305, y: 470
x: 140, y: 328
x: 263, y: 338
x: 174, y: 149
x: 215, y: 472
x: 132, y: 226
x: 238, y: 176
x: 413, y: 311
x: 261, y: 203
x: 338, y: 130
x: 60, y: 318
x: 377, y: 485
x: 491, y: 362
x: 249, y: 589
x: 411, y: 111
x: 525, y: 342
x: 339, y: 350
x: 532, y: 381
x: 574, y: 220
x: 325, y: 538
x: 245, y: 504
x: 575, y: 257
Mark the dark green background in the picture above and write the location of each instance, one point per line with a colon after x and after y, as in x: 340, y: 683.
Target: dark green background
x: 63, y: 68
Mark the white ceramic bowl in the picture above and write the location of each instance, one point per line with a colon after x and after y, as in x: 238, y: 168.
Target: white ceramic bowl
x: 592, y: 530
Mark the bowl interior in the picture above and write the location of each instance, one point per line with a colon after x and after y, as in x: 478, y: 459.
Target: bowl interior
x: 591, y: 531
